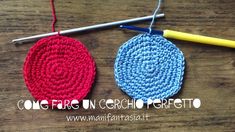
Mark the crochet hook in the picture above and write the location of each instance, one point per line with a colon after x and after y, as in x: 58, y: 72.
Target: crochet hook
x: 98, y: 26
x: 185, y: 36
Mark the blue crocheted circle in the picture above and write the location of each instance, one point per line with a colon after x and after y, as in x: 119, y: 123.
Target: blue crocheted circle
x: 149, y: 67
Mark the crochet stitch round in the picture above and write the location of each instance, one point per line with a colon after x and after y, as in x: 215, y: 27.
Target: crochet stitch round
x: 59, y: 68
x: 149, y: 67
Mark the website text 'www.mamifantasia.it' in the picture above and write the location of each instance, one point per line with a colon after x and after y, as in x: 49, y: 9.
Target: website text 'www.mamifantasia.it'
x: 107, y: 117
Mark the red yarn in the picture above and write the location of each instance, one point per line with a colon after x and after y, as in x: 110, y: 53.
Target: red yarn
x: 53, y: 15
x: 59, y: 68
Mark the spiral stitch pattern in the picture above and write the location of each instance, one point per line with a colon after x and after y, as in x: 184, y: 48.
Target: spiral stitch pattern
x: 149, y: 67
x: 59, y: 68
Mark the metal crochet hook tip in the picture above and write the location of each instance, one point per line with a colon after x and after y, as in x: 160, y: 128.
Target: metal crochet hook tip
x: 75, y: 30
x: 146, y: 30
x: 121, y: 26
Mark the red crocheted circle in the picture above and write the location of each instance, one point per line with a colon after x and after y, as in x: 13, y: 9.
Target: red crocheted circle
x: 59, y: 68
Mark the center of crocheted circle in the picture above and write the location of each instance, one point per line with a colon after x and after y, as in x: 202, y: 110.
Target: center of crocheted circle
x: 58, y: 71
x: 59, y: 68
x: 149, y: 67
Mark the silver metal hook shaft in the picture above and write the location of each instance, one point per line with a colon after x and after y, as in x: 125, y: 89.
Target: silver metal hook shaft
x: 98, y: 26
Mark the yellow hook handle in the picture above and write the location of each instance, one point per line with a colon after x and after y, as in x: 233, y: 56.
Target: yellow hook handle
x: 198, y: 38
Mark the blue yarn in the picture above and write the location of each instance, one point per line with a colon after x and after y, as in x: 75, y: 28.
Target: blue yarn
x: 149, y: 67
